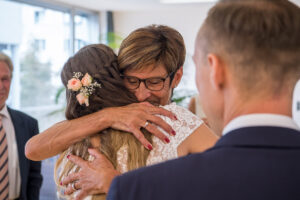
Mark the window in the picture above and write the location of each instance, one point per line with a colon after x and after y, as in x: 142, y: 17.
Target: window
x: 39, y: 39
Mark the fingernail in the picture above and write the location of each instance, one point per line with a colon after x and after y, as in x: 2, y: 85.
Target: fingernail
x: 167, y: 140
x: 175, y: 117
x: 68, y: 156
x: 173, y: 133
x: 60, y: 183
x: 149, y: 147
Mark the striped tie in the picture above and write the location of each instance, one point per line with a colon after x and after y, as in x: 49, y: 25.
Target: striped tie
x: 3, y: 163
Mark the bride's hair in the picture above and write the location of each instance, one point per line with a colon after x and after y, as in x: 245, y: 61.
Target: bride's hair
x: 100, y: 62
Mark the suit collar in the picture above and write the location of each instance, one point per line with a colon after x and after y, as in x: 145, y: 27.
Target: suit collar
x: 261, y: 136
x: 4, y: 112
x: 264, y: 119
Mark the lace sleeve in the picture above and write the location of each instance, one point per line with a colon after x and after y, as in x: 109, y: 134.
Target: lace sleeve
x: 186, y: 124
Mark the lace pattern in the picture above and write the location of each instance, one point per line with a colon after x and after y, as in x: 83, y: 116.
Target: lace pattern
x: 185, y: 125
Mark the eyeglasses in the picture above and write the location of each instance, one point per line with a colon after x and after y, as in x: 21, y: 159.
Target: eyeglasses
x: 154, y: 83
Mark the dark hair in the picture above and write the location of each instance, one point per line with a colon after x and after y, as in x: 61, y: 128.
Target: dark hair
x: 260, y: 38
x: 101, y: 63
x: 154, y: 44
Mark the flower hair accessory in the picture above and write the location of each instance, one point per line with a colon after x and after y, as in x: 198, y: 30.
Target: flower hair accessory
x: 85, y: 86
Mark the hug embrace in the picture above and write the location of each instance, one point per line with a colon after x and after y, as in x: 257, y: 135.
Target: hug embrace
x: 120, y: 117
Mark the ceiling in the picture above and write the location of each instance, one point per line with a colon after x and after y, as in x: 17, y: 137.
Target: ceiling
x: 98, y: 5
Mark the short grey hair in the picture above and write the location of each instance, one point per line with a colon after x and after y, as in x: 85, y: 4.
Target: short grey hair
x: 5, y: 58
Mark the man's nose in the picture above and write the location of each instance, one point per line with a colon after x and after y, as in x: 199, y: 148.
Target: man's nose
x: 142, y: 93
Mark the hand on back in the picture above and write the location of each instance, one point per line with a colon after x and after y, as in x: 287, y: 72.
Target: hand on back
x: 135, y: 116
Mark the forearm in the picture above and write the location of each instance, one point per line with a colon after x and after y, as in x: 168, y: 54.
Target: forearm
x: 61, y: 135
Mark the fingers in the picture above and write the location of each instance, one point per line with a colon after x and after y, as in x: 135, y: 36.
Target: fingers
x: 155, y: 110
x: 70, y: 190
x: 77, y: 160
x: 70, y: 178
x: 161, y: 123
x: 95, y: 152
x: 81, y: 195
x: 154, y: 130
x: 162, y: 111
x: 140, y: 136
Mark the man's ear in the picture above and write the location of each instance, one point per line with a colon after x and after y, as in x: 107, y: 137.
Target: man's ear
x: 216, y: 71
x: 177, y: 77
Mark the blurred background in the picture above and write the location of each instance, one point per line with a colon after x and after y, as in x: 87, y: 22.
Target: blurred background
x: 39, y: 36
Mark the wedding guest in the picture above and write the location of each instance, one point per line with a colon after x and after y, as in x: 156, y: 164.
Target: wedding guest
x: 247, y: 64
x: 20, y: 177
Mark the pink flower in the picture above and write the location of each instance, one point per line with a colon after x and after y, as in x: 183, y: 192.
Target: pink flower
x: 86, y: 80
x: 81, y: 98
x: 74, y: 84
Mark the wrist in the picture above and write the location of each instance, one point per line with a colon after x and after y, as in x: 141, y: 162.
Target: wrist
x: 104, y: 119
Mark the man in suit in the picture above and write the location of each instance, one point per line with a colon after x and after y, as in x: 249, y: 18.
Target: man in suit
x: 247, y: 58
x: 21, y: 178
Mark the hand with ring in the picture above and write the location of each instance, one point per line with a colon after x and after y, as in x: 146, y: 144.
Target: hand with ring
x: 73, y: 186
x: 84, y: 181
x: 146, y: 124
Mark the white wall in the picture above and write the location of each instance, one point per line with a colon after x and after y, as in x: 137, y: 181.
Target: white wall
x: 186, y: 20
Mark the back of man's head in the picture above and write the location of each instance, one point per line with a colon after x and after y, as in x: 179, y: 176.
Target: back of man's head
x: 259, y: 40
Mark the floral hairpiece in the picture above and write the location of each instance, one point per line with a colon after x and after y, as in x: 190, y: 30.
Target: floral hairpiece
x: 85, y: 86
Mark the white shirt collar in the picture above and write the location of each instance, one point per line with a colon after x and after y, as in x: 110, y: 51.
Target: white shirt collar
x: 4, y: 112
x: 260, y: 120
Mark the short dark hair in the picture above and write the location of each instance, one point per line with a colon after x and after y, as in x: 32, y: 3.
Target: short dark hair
x: 259, y: 38
x: 154, y: 44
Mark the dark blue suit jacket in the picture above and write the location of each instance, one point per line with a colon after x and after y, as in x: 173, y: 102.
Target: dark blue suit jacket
x: 257, y: 163
x: 31, y: 178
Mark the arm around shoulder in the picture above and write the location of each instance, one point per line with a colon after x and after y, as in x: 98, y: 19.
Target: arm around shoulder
x: 60, y: 136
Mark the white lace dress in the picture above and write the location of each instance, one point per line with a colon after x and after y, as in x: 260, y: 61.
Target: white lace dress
x: 186, y: 124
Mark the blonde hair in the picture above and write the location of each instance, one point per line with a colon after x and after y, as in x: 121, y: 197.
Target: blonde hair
x: 154, y: 44
x: 101, y: 63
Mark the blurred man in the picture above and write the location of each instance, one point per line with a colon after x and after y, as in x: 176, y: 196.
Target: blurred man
x: 20, y: 178
x: 247, y: 64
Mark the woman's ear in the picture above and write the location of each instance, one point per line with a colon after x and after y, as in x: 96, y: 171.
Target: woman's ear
x: 216, y: 71
x: 177, y: 77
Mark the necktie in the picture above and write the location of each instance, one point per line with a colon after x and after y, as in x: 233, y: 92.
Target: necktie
x: 3, y: 163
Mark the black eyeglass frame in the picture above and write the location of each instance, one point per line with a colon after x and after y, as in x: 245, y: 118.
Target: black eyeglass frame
x: 145, y: 80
